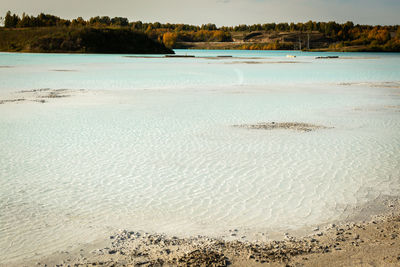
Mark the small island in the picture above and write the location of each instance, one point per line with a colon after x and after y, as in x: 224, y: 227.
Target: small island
x: 79, y: 40
x: 47, y: 34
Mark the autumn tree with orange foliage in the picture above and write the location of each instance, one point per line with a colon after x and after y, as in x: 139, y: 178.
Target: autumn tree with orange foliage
x: 169, y: 39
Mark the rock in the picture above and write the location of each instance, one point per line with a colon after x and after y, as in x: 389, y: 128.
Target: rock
x: 142, y: 263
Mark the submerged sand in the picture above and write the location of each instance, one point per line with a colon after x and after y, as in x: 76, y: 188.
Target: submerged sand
x: 357, y: 243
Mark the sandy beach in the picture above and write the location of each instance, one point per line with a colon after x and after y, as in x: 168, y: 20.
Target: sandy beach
x: 374, y: 242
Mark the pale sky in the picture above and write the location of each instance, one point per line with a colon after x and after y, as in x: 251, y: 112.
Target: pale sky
x: 220, y: 12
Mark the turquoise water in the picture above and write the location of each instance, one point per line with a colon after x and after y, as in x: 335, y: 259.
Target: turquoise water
x: 149, y: 144
x: 74, y: 71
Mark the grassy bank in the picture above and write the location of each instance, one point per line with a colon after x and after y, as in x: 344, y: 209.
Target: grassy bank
x: 79, y: 40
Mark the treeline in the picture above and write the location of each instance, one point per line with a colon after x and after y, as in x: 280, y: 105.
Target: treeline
x: 330, y: 29
x: 156, y: 31
x: 43, y: 20
x: 385, y: 38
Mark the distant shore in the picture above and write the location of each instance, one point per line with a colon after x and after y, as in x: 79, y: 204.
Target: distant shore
x: 48, y: 33
x: 259, y: 46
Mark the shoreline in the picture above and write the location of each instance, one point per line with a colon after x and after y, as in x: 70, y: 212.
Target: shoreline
x: 363, y: 239
x: 320, y: 50
x: 238, y: 45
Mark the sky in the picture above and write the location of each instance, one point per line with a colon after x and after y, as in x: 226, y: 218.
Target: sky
x: 220, y: 12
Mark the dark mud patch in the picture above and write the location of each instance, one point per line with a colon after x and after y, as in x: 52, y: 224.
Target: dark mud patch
x: 263, y: 62
x: 21, y: 100
x: 47, y: 93
x: 296, y: 126
x: 43, y: 90
x: 64, y: 70
x: 4, y: 101
x: 39, y: 95
x: 54, y: 95
x: 395, y: 85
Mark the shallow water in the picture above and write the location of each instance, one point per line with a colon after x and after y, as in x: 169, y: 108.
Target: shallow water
x: 167, y: 158
x: 110, y: 72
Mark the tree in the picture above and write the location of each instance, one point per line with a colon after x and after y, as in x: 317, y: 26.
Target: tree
x: 100, y: 21
x: 8, y: 20
x: 25, y: 21
x: 309, y: 26
x: 382, y: 36
x: 169, y: 39
x: 282, y: 27
x: 137, y: 25
x: 79, y: 21
x: 119, y: 21
x: 209, y: 26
